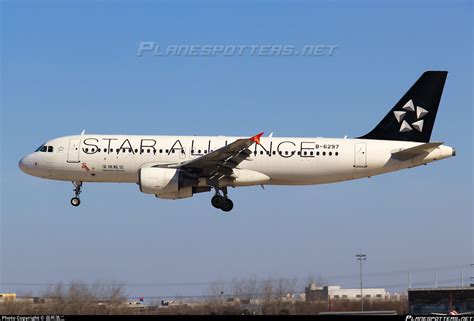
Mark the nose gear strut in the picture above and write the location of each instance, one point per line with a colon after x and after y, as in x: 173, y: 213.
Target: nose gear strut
x: 75, y: 201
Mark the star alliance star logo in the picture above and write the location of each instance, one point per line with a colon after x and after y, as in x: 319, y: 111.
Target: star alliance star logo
x: 410, y: 107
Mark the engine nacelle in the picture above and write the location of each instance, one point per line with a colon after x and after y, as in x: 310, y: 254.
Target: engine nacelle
x: 167, y: 183
x: 183, y: 192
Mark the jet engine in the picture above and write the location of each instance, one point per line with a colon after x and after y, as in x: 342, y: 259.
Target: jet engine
x: 168, y: 183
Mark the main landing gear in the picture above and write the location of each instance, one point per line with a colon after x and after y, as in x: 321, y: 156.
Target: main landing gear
x: 75, y: 201
x: 221, y: 201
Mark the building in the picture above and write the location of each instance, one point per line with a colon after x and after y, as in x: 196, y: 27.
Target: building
x: 441, y: 300
x: 314, y: 293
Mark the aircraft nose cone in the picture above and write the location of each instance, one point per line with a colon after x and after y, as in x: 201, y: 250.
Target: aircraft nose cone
x: 22, y: 165
x: 25, y: 164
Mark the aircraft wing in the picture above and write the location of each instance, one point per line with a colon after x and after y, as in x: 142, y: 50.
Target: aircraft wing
x: 405, y: 154
x: 222, y: 161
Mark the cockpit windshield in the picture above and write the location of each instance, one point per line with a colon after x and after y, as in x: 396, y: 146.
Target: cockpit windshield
x: 39, y: 148
x: 43, y: 148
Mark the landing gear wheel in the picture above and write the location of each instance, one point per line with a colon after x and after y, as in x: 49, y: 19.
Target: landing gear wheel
x: 221, y: 201
x: 217, y: 201
x: 75, y: 201
x: 227, y: 206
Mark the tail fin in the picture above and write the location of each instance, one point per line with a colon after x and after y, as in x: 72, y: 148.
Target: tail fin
x: 413, y: 117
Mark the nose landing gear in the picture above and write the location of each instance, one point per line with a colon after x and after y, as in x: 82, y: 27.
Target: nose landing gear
x: 75, y: 201
x: 221, y: 201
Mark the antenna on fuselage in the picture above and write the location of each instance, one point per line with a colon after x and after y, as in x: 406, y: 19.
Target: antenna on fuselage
x: 271, y: 134
x: 83, y: 131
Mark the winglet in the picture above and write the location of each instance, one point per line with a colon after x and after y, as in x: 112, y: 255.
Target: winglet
x: 256, y: 138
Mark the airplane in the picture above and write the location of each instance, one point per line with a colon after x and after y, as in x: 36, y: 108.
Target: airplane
x: 177, y: 167
x: 452, y: 312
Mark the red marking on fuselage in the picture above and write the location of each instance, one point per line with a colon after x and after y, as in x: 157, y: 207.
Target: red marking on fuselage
x: 84, y: 165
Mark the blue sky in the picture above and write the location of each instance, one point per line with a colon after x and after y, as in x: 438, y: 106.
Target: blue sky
x: 73, y: 66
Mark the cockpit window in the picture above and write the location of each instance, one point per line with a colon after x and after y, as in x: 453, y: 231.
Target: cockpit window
x: 44, y: 148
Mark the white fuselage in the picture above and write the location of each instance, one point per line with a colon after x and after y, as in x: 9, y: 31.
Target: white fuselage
x: 284, y: 160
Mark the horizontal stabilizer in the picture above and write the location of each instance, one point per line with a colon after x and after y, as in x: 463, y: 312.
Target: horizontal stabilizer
x: 405, y: 154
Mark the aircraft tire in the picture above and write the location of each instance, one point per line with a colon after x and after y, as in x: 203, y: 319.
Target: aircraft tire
x: 227, y: 206
x: 217, y: 201
x: 75, y: 201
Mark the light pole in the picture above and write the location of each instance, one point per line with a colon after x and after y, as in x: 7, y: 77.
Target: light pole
x: 361, y: 257
x: 471, y: 279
